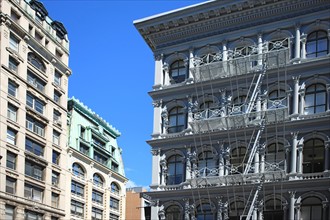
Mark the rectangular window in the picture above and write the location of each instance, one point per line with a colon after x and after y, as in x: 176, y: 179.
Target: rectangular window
x: 35, y: 126
x: 113, y: 217
x: 56, y: 157
x: 100, y: 158
x: 83, y: 133
x: 29, y: 215
x: 57, y: 117
x: 11, y: 136
x: 13, y: 42
x: 34, y: 147
x: 34, y: 170
x: 10, y: 212
x: 96, y: 214
x: 114, y: 166
x: 97, y: 197
x: 35, y: 81
x: 13, y: 64
x: 10, y: 185
x: 11, y: 160
x: 33, y: 193
x: 97, y: 142
x: 35, y: 103
x: 12, y: 112
x: 55, y: 178
x: 56, y: 137
x: 114, y: 203
x: 77, y: 189
x: 84, y: 149
x: 55, y: 199
x: 57, y: 97
x: 77, y: 208
x: 57, y: 78
x: 12, y: 88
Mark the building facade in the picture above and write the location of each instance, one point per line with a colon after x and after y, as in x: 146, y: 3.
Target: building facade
x: 97, y: 180
x: 241, y: 110
x: 137, y: 207
x: 34, y: 53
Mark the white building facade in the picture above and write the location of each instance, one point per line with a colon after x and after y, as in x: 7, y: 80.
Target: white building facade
x: 241, y: 110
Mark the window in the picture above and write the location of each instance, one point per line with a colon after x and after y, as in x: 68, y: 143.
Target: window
x: 317, y: 44
x: 35, y: 126
x: 78, y: 170
x: 206, y: 164
x: 238, y: 159
x: 236, y: 210
x: 11, y: 160
x: 275, y: 157
x: 14, y: 16
x: 114, y: 166
x: 239, y: 105
x: 313, y: 156
x: 177, y: 120
x: 56, y: 157
x: 97, y: 180
x: 113, y: 217
x: 12, y: 112
x: 55, y: 178
x: 77, y: 189
x: 57, y: 78
x: 12, y: 64
x: 97, y: 197
x: 114, y: 203
x: 206, y: 109
x: 273, y: 210
x: 84, y: 149
x: 174, y: 170
x: 56, y: 137
x: 77, y: 208
x: 29, y: 215
x: 100, y: 158
x: 34, y: 147
x: 55, y: 199
x: 315, y: 99
x: 10, y: 185
x: 13, y: 42
x: 83, y: 133
x: 34, y: 170
x: 12, y: 88
x: 11, y: 136
x: 311, y: 209
x: 33, y: 193
x: 277, y: 99
x: 35, y: 103
x: 96, y: 214
x: 57, y: 117
x: 57, y: 97
x: 204, y: 212
x: 97, y: 142
x: 10, y: 212
x: 36, y: 62
x: 35, y: 81
x: 173, y: 213
x: 114, y: 188
x: 178, y: 71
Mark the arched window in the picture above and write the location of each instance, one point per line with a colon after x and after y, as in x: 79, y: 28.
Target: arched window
x: 236, y: 210
x: 207, y: 164
x: 239, y: 105
x: 204, y: 212
x: 206, y: 109
x: 173, y: 213
x: 313, y: 156
x: 115, y: 188
x: 311, y: 209
x: 273, y: 210
x: 315, y: 99
x: 174, y: 170
x: 178, y: 71
x: 77, y: 170
x: 277, y: 99
x: 275, y: 156
x: 317, y: 44
x: 36, y: 62
x: 177, y: 120
x: 238, y: 159
x: 97, y: 179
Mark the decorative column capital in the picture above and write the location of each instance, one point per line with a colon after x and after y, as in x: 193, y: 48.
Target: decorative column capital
x: 155, y: 152
x: 292, y: 193
x: 295, y: 79
x: 158, y: 57
x: 157, y: 103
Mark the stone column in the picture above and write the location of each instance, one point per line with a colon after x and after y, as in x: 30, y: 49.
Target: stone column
x: 262, y: 160
x: 155, y: 167
x: 166, y: 70
x: 225, y: 58
x: 2, y: 208
x: 300, y: 156
x: 255, y: 214
x: 286, y: 161
x: 158, y: 71
x: 163, y: 165
x: 327, y: 155
x: 298, y: 210
x: 294, y: 153
x: 221, y: 163
x: 186, y: 209
x: 190, y: 111
x: 302, y: 100
x: 328, y: 95
x: 297, y: 42
x: 157, y: 128
x: 256, y: 162
x: 292, y: 204
x: 260, y: 49
x: 295, y: 96
x: 220, y: 208
x: 191, y: 62
x: 188, y: 164
x: 303, y: 46
x: 20, y: 212
x: 325, y: 205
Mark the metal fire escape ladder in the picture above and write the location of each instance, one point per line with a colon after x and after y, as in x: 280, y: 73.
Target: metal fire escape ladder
x: 254, y: 199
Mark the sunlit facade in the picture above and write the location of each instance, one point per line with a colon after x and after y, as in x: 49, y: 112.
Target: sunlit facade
x: 241, y: 110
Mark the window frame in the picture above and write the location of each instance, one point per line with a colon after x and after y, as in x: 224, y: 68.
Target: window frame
x: 174, y: 116
x: 316, y: 51
x: 12, y: 112
x: 177, y: 176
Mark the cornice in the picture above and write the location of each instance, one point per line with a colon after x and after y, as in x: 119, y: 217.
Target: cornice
x: 219, y: 19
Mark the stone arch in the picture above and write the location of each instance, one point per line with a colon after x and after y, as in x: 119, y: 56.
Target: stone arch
x: 316, y: 79
x: 206, y: 98
x: 318, y: 195
x: 317, y: 25
x: 207, y: 49
x: 278, y: 34
x: 241, y: 43
x: 174, y: 57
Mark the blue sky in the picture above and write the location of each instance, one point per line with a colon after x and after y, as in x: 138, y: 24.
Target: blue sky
x: 113, y: 69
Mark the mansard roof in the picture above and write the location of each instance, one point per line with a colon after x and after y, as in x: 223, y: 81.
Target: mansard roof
x: 39, y: 7
x: 215, y: 17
